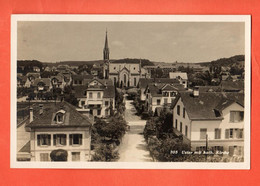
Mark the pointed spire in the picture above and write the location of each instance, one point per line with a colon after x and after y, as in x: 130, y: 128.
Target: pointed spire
x: 106, y: 49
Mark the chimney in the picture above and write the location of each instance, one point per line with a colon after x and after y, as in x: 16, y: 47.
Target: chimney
x: 41, y: 109
x: 196, y: 91
x: 31, y: 114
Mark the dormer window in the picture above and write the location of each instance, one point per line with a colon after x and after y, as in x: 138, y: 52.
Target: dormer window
x: 59, y: 117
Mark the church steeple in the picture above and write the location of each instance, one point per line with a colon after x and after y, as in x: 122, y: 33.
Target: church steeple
x: 106, y: 49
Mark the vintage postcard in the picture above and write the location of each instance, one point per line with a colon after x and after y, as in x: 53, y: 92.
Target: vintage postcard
x: 130, y: 91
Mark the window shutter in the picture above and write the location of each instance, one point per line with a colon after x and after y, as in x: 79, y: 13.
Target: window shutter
x: 227, y: 134
x: 80, y: 139
x: 38, y: 140
x: 70, y: 139
x: 54, y: 139
x: 231, y: 116
x: 241, y: 133
x: 49, y: 139
x: 231, y: 150
x: 237, y: 133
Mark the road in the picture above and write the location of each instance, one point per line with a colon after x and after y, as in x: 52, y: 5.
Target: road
x: 133, y: 147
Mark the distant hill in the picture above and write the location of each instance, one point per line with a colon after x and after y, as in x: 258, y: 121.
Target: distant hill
x: 238, y: 60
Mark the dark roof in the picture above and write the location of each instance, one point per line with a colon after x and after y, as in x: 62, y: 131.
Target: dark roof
x: 156, y: 88
x: 203, y: 107
x: 72, y: 117
x: 143, y: 82
x: 232, y: 85
x: 34, y: 74
x: 46, y: 81
x: 109, y: 91
x: 81, y: 77
x: 210, y: 89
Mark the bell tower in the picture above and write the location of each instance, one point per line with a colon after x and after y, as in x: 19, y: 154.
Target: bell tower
x: 106, y: 58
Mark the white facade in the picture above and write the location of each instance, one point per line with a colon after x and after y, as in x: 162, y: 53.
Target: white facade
x: 38, y: 151
x: 195, y: 128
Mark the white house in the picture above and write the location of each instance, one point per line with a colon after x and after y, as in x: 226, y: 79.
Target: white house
x: 96, y: 97
x: 181, y: 76
x: 59, y: 126
x: 217, y: 115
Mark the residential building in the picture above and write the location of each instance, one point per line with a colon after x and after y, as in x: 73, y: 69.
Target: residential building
x: 212, y: 118
x: 21, y: 80
x: 42, y: 84
x: 31, y: 76
x: 79, y: 80
x: 143, y: 82
x: 58, y: 81
x: 59, y: 126
x: 181, y: 76
x: 96, y: 97
x: 161, y: 94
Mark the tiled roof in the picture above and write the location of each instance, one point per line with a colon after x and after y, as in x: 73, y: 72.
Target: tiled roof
x: 155, y: 89
x: 81, y: 77
x: 34, y: 74
x: 46, y: 81
x: 72, y: 117
x: 143, y: 82
x: 232, y: 85
x: 109, y: 91
x: 203, y: 107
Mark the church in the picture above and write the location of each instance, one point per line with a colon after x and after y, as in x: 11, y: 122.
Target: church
x: 123, y: 73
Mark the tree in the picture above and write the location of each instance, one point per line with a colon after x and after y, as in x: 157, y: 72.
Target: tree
x: 59, y: 155
x: 105, y: 152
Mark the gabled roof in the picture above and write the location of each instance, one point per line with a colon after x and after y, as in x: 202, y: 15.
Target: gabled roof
x: 81, y: 77
x: 46, y: 81
x: 59, y: 78
x: 168, y: 87
x: 109, y: 91
x: 232, y: 85
x: 72, y: 117
x: 34, y: 74
x: 156, y: 88
x: 143, y: 82
x: 203, y: 107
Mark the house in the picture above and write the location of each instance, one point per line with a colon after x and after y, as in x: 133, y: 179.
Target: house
x: 161, y: 94
x: 36, y: 69
x: 58, y: 81
x: 96, y: 97
x: 31, y: 76
x: 59, y: 126
x: 181, y: 76
x: 42, y: 84
x: 21, y: 80
x: 212, y: 118
x: 231, y: 86
x: 143, y: 82
x: 79, y: 80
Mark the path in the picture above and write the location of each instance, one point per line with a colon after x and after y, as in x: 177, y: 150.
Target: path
x: 133, y: 147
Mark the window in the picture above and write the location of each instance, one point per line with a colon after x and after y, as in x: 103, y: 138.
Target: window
x: 234, y: 133
x: 44, y: 157
x: 180, y: 126
x: 43, y: 139
x: 178, y: 109
x: 165, y: 100
x: 59, y: 139
x: 114, y: 80
x: 183, y: 112
x: 124, y: 78
x: 98, y: 95
x: 217, y: 133
x: 106, y: 103
x: 106, y: 112
x: 82, y: 103
x: 59, y: 118
x: 91, y: 111
x: 75, y: 139
x: 173, y: 94
x: 134, y: 81
x: 203, y: 133
x: 186, y: 130
x: 80, y: 81
x: 176, y: 124
x: 201, y: 148
x: 172, y: 100
x: 236, y: 116
x: 158, y: 101
x: 114, y: 68
x: 75, y: 82
x: 98, y: 112
x: 217, y: 148
x: 90, y: 95
x: 75, y: 156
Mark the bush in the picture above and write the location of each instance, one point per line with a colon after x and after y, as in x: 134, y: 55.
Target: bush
x: 59, y: 155
x: 105, y: 152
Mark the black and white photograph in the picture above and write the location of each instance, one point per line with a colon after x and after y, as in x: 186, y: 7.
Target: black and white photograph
x: 140, y: 91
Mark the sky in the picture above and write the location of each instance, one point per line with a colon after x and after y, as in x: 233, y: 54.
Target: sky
x: 156, y: 41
